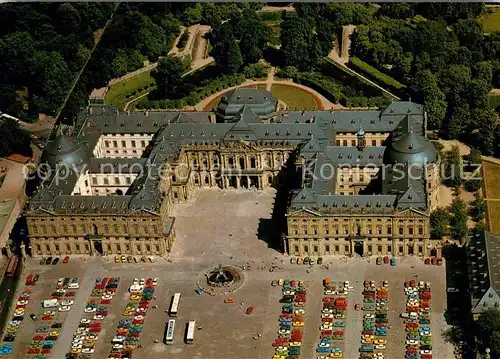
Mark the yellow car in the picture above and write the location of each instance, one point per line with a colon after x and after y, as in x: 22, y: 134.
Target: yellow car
x: 381, y: 341
x: 76, y: 351
x: 368, y: 336
x: 298, y: 324
x: 277, y: 356
x: 54, y: 333
x: 280, y: 282
x: 301, y: 283
x: 295, y: 344
x: 117, y: 259
x: 135, y: 296
x: 336, y: 355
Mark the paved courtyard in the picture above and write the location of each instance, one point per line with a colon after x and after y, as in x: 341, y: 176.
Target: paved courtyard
x: 216, y: 227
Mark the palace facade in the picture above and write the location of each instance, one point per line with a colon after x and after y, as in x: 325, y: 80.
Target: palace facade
x: 367, y: 179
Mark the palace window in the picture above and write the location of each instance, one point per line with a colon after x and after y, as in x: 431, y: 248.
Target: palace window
x: 132, y: 143
x: 306, y: 248
x: 143, y: 144
x: 410, y: 230
x: 336, y: 248
x: 379, y: 248
x: 106, y: 182
x: 304, y: 229
x: 327, y: 248
x: 157, y: 248
x: 369, y: 229
x: 115, y: 144
x: 68, y: 248
x: 389, y: 229
x: 117, y: 180
x: 315, y: 229
x: 115, y: 228
x: 327, y: 230
x: 146, y: 229
x: 124, y: 144
x: 106, y: 228
x: 346, y: 248
x: 155, y: 229
x: 401, y: 230
x: 389, y: 248
x: 253, y: 163
x: 420, y: 230
x: 346, y: 229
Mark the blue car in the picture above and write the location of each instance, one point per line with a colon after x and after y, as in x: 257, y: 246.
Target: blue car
x: 336, y: 350
x: 327, y: 340
x: 322, y: 350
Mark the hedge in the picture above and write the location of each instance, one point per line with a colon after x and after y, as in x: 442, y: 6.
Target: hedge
x: 371, y: 71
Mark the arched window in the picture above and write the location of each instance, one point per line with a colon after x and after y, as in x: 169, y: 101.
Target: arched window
x: 253, y: 163
x: 196, y: 179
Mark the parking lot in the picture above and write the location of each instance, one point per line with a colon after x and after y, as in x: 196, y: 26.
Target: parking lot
x: 211, y: 229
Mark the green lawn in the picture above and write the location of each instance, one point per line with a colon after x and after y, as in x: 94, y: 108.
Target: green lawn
x: 117, y: 93
x: 491, y: 20
x: 491, y: 179
x: 295, y: 98
x: 494, y: 101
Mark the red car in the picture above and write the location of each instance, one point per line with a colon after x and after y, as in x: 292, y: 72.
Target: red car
x: 426, y: 356
x: 66, y: 259
x: 411, y: 351
x: 37, y: 337
x: 47, y: 317
x: 46, y: 351
x: 33, y: 351
x: 249, y: 310
x: 69, y: 294
x: 105, y: 301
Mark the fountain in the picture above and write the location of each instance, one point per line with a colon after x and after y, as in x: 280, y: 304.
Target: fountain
x: 221, y: 276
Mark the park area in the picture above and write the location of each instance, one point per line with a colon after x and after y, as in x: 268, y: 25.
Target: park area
x: 491, y: 174
x: 491, y: 20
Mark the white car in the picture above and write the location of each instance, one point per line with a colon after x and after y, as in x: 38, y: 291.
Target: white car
x: 300, y: 311
x: 142, y: 281
x: 380, y: 346
x: 49, y: 312
x: 139, y: 317
x: 340, y: 316
x: 329, y: 292
x: 77, y: 342
x: 76, y: 346
x: 152, y: 259
x: 85, y: 321
x: 118, y: 346
x: 366, y: 341
x: 426, y: 334
x: 78, y: 338
x: 378, y: 356
x: 324, y: 345
x: 64, y: 308
x: 98, y: 317
x: 22, y: 302
x: 155, y: 280
x: 369, y: 316
x: 327, y: 316
x: 289, y: 292
x: 423, y: 352
x: 325, y: 327
x: 327, y: 311
x: 88, y: 350
x: 412, y: 342
x: 90, y: 309
x: 107, y: 297
x: 136, y: 281
x: 385, y: 284
x: 67, y: 302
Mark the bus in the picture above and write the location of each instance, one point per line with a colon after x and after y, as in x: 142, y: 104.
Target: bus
x: 169, y: 334
x: 174, y: 305
x: 190, y: 332
x: 11, y: 269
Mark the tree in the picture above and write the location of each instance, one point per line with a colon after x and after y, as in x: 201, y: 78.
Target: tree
x: 484, y: 71
x: 458, y: 219
x: 68, y: 17
x: 296, y: 41
x: 453, y: 167
x: 14, y: 139
x: 168, y: 76
x: 234, y: 59
x: 428, y: 92
x: 486, y: 121
x: 477, y: 208
x: 439, y: 222
x: 488, y: 330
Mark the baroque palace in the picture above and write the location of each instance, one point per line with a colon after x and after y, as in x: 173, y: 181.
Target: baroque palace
x: 368, y: 179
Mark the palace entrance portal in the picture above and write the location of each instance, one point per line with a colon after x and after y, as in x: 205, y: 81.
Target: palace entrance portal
x: 358, y: 248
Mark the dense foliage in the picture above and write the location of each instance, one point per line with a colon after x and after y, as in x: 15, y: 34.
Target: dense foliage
x: 14, y: 139
x: 488, y: 330
x: 42, y: 46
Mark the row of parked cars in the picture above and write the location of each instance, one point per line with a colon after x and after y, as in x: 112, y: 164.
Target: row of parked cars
x: 417, y: 320
x: 129, y: 328
x: 54, y: 261
x: 291, y: 321
x: 89, y: 329
x: 375, y: 319
x: 129, y: 259
x: 17, y: 319
x: 333, y: 319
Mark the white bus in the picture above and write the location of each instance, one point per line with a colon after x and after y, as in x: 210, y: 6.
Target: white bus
x: 174, y: 306
x: 190, y: 332
x: 169, y: 334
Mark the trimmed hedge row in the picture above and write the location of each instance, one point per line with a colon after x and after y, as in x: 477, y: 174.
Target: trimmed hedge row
x: 333, y: 91
x: 210, y: 87
x: 371, y: 71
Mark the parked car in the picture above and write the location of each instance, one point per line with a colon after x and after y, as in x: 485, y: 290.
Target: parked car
x: 66, y: 259
x: 49, y: 260
x: 55, y: 261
